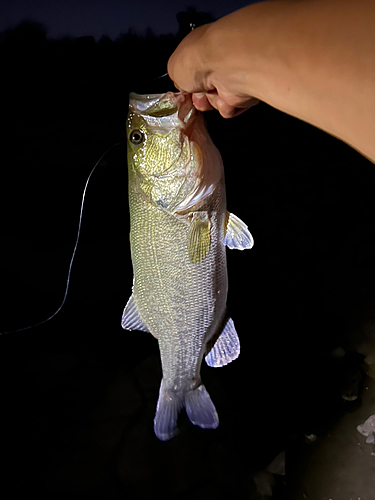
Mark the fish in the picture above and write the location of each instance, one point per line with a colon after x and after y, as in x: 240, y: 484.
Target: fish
x: 179, y: 231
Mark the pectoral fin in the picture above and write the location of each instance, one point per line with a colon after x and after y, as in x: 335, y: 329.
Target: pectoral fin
x: 226, y: 347
x: 131, y: 319
x: 237, y: 234
x: 199, y: 238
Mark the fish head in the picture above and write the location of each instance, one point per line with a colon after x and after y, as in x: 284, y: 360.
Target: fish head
x: 170, y: 155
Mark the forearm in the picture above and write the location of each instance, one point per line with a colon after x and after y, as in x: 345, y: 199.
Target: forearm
x: 313, y: 59
x: 318, y: 64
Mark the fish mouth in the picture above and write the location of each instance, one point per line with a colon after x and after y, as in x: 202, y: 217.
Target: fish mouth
x: 165, y: 105
x: 156, y: 105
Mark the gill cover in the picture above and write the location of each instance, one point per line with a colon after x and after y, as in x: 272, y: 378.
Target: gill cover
x: 171, y: 168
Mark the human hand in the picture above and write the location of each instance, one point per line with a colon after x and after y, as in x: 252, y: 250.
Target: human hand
x: 203, y: 64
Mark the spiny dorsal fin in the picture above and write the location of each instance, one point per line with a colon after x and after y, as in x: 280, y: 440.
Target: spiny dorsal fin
x: 237, y: 234
x: 199, y: 238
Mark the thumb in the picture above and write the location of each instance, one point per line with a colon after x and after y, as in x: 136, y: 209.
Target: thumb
x: 186, y: 66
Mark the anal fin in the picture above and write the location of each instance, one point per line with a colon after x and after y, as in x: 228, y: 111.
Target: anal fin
x: 226, y: 348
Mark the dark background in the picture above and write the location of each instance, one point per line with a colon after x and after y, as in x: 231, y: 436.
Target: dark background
x: 78, y: 393
x: 97, y: 18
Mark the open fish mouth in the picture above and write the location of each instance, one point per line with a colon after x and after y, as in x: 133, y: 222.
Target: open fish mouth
x: 157, y: 105
x: 164, y: 110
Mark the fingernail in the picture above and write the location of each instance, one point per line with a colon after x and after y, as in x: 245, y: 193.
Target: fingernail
x: 199, y: 95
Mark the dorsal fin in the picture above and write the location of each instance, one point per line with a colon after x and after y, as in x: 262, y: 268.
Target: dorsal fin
x: 131, y: 319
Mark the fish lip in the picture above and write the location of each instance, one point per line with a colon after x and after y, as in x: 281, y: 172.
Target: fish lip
x: 177, y: 104
x: 145, y: 100
x: 154, y: 105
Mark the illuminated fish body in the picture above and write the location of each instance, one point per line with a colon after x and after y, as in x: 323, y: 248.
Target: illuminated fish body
x: 179, y: 227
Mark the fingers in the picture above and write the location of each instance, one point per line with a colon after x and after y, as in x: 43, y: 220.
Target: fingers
x: 211, y: 100
x: 225, y: 109
x: 194, y: 68
x: 201, y: 102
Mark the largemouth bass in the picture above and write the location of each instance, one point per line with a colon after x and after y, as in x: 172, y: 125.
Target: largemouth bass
x: 179, y: 227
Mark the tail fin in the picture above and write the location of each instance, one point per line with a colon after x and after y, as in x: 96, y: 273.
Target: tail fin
x: 167, y: 410
x: 199, y: 409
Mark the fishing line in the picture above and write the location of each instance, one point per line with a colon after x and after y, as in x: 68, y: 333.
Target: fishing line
x: 78, y: 235
x: 192, y: 27
x: 74, y: 250
x: 161, y: 76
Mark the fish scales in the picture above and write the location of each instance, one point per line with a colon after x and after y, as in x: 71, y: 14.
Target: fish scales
x: 186, y: 295
x: 179, y: 227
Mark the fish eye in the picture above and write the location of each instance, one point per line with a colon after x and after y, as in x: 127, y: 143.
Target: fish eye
x: 136, y: 137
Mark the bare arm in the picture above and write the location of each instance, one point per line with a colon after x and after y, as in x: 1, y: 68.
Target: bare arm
x: 313, y: 59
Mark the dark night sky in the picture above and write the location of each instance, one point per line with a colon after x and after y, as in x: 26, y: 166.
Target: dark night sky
x: 106, y: 17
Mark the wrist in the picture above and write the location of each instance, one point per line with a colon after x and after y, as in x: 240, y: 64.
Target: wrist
x: 239, y: 49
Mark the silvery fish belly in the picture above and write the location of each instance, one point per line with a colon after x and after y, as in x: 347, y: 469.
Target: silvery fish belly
x: 179, y: 227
